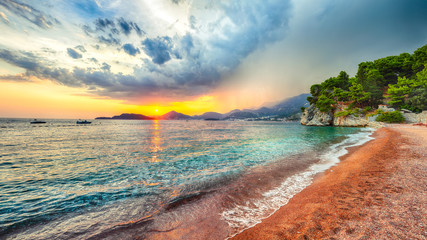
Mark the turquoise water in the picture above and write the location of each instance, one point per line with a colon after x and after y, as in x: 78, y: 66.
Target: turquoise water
x: 121, y: 171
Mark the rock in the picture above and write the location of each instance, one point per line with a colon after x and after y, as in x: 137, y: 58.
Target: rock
x: 410, y: 117
x: 385, y: 108
x: 350, y: 121
x: 416, y: 118
x: 313, y: 117
x: 422, y: 117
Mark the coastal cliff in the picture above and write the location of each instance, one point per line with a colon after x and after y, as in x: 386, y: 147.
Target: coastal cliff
x: 392, y: 88
x: 312, y: 116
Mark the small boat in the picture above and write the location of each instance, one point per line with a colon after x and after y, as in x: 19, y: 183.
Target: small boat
x: 35, y: 121
x: 83, y: 122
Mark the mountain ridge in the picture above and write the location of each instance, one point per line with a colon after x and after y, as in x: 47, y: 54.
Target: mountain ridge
x: 284, y: 108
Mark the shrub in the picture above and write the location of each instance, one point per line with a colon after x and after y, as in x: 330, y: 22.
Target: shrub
x: 342, y: 114
x: 367, y: 109
x: 324, y: 104
x: 391, y: 117
x: 350, y: 110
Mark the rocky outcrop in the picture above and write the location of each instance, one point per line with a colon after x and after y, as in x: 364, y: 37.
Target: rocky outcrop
x: 313, y: 117
x: 415, y: 118
x: 422, y: 117
x: 350, y: 121
x: 386, y: 108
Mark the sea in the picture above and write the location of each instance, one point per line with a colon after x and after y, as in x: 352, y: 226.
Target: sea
x: 134, y: 179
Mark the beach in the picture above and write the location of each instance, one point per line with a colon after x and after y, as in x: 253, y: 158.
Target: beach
x: 377, y: 191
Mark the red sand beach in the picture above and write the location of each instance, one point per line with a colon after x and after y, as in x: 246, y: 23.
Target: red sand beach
x: 378, y: 191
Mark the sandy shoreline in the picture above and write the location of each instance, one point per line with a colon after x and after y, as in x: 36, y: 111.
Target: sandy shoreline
x: 378, y: 191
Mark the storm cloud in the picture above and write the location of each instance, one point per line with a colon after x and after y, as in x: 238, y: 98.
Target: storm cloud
x: 73, y: 53
x: 182, y: 65
x: 158, y: 49
x: 109, y: 40
x: 109, y: 31
x: 188, y: 48
x: 29, y: 13
x: 127, y: 26
x: 24, y: 60
x: 130, y: 49
x: 102, y: 24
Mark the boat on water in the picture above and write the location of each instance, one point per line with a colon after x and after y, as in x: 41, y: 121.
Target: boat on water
x: 83, y: 122
x: 35, y: 121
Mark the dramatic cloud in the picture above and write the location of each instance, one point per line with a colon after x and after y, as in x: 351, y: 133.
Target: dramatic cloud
x: 73, y: 53
x: 130, y: 49
x: 127, y: 27
x: 102, y: 24
x: 108, y: 31
x: 29, y: 13
x: 109, y: 40
x: 158, y: 49
x: 188, y: 64
x: 24, y: 60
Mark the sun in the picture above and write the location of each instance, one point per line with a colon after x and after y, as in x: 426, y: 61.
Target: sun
x: 157, y: 110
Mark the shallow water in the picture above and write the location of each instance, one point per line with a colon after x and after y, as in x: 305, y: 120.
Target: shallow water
x: 112, y: 177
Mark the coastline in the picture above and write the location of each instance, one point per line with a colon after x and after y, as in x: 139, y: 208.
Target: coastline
x: 376, y: 191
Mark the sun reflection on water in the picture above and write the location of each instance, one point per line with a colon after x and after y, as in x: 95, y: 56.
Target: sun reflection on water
x: 156, y: 141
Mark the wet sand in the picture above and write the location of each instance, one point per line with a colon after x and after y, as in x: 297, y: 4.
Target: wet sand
x: 378, y: 191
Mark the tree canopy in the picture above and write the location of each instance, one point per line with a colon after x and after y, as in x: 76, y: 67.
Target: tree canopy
x: 402, y: 79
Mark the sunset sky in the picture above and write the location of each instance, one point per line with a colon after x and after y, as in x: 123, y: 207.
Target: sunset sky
x: 89, y: 58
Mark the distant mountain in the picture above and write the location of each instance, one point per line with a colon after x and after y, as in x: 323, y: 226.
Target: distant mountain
x: 291, y: 105
x: 285, y: 108
x: 209, y: 115
x: 172, y: 115
x: 265, y: 111
x: 241, y: 115
x: 231, y: 112
x: 128, y: 116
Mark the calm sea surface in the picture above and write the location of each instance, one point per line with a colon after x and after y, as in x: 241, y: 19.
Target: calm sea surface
x: 67, y: 181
